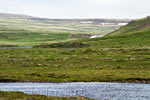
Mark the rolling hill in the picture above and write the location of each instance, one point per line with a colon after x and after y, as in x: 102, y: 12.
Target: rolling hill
x: 122, y: 57
x: 27, y: 30
x: 135, y: 33
x: 134, y: 26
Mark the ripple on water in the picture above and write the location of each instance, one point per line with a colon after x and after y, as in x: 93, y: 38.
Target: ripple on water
x: 93, y: 90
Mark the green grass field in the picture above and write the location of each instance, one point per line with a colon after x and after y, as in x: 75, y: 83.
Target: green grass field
x: 98, y: 63
x: 21, y: 96
x: 122, y: 57
x: 25, y: 30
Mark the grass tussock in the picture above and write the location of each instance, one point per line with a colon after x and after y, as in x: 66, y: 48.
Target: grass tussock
x: 22, y: 96
x: 118, y: 58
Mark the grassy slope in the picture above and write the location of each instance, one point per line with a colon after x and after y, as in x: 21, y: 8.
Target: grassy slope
x: 21, y: 96
x: 140, y: 25
x: 26, y: 30
x: 114, y: 58
x: 117, y: 59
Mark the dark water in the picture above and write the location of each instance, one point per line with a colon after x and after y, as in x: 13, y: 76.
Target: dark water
x: 99, y: 91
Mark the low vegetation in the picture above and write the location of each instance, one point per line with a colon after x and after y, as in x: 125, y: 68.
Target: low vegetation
x: 134, y: 26
x: 70, y: 45
x: 21, y: 96
x: 113, y: 58
x: 25, y: 30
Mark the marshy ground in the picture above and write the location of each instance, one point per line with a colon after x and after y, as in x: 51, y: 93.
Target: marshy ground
x: 115, y: 59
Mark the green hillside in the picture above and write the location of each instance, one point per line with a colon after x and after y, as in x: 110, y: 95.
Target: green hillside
x: 136, y: 33
x: 27, y: 30
x: 113, y: 58
x: 134, y: 26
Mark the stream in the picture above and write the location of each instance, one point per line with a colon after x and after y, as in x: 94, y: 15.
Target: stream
x: 93, y: 90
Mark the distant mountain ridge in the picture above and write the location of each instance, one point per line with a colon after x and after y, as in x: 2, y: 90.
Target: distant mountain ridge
x: 7, y: 15
x: 93, y: 20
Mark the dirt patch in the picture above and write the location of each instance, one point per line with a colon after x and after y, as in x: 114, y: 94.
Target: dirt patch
x: 79, y: 36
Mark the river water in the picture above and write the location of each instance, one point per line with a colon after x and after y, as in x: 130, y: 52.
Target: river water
x: 96, y: 36
x: 95, y: 90
x: 22, y: 47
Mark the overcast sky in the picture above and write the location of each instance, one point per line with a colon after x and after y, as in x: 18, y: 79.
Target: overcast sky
x: 78, y: 8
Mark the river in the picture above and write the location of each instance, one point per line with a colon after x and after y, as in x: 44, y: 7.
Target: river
x: 96, y: 36
x: 21, y: 47
x: 93, y: 90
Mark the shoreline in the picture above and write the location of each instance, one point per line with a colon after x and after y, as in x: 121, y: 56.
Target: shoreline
x: 20, y: 95
x: 114, y: 82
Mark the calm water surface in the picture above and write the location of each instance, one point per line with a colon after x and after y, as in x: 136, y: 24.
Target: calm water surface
x: 24, y: 47
x: 99, y: 91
